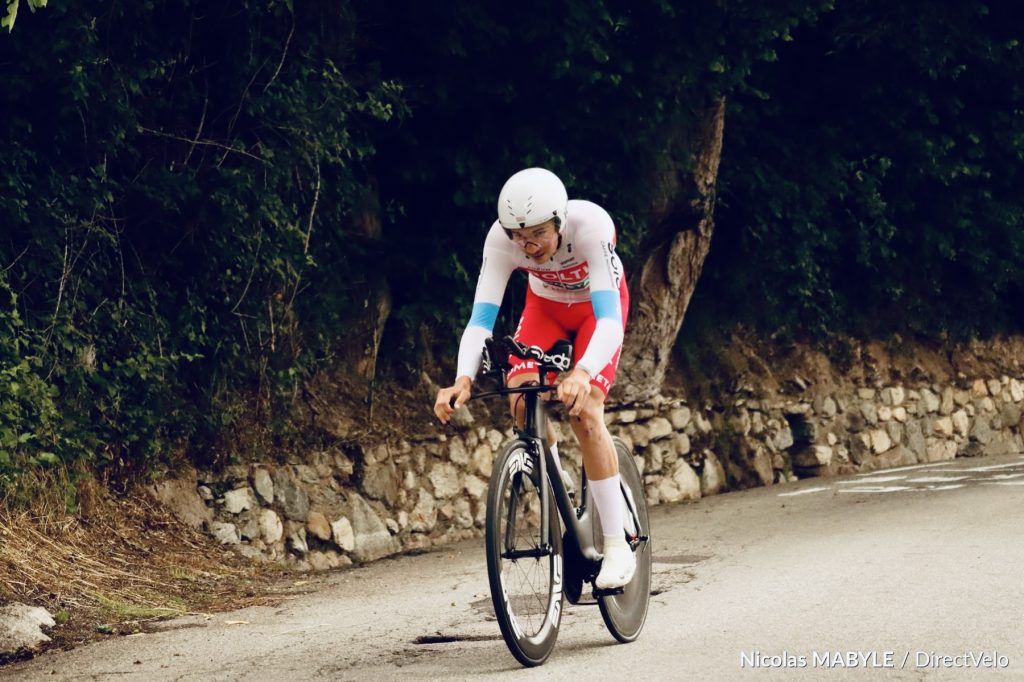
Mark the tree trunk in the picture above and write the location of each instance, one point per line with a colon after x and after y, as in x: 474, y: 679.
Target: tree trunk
x: 682, y: 222
x: 341, y: 400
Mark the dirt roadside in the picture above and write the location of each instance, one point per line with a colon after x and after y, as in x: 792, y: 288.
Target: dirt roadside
x: 119, y: 565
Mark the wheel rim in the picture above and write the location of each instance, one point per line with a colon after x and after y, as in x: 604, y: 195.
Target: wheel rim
x: 530, y: 586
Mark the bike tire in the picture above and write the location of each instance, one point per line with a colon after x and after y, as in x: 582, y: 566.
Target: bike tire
x: 527, y: 592
x: 624, y: 614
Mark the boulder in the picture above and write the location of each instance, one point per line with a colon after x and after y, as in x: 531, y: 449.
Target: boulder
x: 318, y: 526
x: 813, y: 456
x: 940, y: 450
x: 483, y: 460
x: 914, y: 437
x: 981, y: 431
x: 290, y: 495
x: 225, y: 533
x: 712, y: 476
x: 929, y: 401
x: 681, y: 484
x: 679, y: 418
x: 297, y: 542
x: 181, y: 497
x: 238, y: 500
x: 943, y: 426
x: 21, y: 626
x: 372, y: 538
x: 880, y: 441
x: 344, y: 536
x: 380, y: 481
x: 271, y: 528
x: 263, y: 485
x: 659, y: 427
x: 446, y: 480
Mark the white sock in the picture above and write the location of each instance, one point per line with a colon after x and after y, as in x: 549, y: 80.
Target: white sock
x: 608, y: 500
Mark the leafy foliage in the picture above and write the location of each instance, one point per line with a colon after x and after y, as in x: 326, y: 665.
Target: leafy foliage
x: 176, y: 200
x: 196, y: 208
x: 11, y: 15
x: 870, y: 181
x: 604, y: 93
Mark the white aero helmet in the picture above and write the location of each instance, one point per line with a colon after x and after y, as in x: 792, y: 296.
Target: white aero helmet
x: 531, y: 197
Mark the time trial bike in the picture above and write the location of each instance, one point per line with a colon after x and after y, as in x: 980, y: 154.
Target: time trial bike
x: 534, y: 562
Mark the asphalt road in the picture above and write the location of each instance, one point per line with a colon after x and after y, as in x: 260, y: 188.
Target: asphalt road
x: 913, y: 573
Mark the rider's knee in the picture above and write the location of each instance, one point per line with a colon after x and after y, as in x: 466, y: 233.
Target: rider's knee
x: 590, y: 422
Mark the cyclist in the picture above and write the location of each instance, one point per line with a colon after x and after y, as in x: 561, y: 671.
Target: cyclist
x: 576, y: 290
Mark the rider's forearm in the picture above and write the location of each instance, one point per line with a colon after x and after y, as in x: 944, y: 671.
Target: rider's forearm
x: 606, y: 340
x: 469, y: 350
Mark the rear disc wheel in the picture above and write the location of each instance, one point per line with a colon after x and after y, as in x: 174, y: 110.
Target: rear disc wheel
x: 624, y: 614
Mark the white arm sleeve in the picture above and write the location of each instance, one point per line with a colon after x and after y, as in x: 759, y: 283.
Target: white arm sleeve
x: 598, y: 247
x: 496, y: 268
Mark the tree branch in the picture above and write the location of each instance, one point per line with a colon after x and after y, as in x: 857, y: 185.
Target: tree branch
x: 283, y: 55
x: 208, y: 143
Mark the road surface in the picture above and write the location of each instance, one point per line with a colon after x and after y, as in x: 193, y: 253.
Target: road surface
x: 915, y: 573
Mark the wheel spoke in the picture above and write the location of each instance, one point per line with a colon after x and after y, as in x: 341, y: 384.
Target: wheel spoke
x: 521, y: 568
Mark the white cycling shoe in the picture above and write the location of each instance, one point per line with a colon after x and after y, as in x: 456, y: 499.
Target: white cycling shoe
x: 618, y: 565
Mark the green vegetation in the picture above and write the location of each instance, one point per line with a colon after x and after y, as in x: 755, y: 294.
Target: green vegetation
x: 125, y: 609
x: 198, y: 202
x: 870, y: 181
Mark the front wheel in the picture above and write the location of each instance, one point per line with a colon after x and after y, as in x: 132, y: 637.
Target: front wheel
x: 624, y: 614
x: 525, y: 574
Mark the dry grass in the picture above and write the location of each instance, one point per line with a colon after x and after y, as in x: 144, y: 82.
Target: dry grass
x: 117, y: 564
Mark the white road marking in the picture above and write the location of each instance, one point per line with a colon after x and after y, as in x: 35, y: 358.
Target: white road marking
x: 909, y: 468
x: 867, y: 482
x: 937, y: 479
x: 802, y: 492
x: 995, y: 467
x: 876, y: 489
x: 863, y: 481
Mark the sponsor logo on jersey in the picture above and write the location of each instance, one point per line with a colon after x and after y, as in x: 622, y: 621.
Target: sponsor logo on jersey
x: 614, y: 264
x: 571, y: 278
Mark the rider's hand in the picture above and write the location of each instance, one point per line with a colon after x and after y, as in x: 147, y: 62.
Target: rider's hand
x: 457, y: 394
x: 574, y: 389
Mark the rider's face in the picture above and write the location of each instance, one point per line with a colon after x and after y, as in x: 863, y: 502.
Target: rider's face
x: 538, y: 242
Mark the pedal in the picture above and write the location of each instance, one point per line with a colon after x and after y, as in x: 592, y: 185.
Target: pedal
x: 607, y: 593
x: 635, y: 542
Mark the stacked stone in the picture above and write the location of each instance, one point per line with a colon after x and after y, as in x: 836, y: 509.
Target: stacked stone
x: 303, y: 515
x: 869, y: 428
x: 406, y: 495
x: 755, y: 438
x: 325, y: 514
x: 662, y: 436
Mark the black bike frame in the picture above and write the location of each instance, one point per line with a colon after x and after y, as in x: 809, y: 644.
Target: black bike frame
x: 534, y: 433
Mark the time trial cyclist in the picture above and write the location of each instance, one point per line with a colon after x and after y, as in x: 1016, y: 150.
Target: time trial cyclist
x: 577, y: 290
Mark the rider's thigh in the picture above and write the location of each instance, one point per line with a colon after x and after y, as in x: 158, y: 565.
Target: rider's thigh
x: 515, y: 401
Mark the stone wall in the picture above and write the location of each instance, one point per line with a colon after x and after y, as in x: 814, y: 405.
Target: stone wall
x: 362, y: 501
